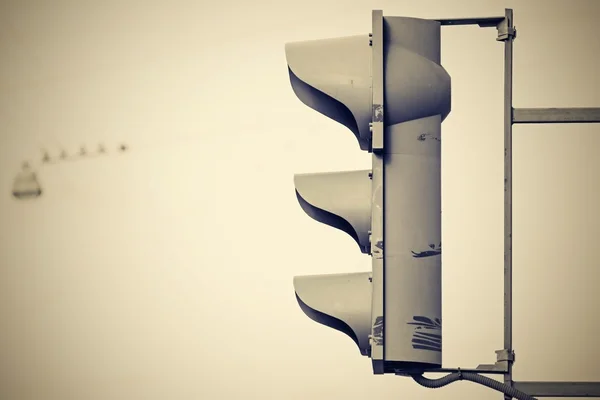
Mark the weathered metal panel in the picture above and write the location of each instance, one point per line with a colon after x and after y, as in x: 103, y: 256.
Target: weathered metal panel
x: 412, y: 259
x: 377, y: 217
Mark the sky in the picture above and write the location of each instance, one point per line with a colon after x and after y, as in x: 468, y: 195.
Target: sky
x: 166, y: 271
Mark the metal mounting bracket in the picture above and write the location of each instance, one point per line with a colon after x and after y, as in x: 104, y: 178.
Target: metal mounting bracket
x: 503, y: 359
x: 502, y: 24
x: 505, y: 30
x: 506, y: 357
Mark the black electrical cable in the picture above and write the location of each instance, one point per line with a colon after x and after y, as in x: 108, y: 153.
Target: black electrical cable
x: 473, y: 377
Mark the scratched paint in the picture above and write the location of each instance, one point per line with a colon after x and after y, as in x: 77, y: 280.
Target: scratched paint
x: 378, y: 331
x: 432, y: 251
x: 377, y: 113
x: 424, y: 136
x: 427, y: 333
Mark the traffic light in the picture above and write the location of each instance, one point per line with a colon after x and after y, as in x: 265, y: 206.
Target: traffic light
x: 389, y: 89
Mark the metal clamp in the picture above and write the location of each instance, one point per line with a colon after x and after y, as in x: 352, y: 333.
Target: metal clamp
x: 505, y: 355
x: 505, y: 31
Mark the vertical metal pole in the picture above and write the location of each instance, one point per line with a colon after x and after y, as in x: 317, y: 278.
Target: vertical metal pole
x: 377, y: 218
x: 508, y: 65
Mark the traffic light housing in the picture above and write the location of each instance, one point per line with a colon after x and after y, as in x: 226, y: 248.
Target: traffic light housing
x: 390, y: 90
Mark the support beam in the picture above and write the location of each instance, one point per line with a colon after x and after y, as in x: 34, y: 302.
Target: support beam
x: 490, y: 370
x: 555, y: 115
x: 482, y: 22
x: 507, y: 32
x: 559, y: 389
x: 506, y: 357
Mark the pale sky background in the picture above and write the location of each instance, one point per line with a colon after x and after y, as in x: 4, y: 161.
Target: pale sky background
x: 166, y: 272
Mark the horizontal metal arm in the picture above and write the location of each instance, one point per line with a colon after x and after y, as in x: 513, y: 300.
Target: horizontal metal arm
x: 484, y: 22
x: 559, y: 389
x: 484, y: 369
x: 555, y: 115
